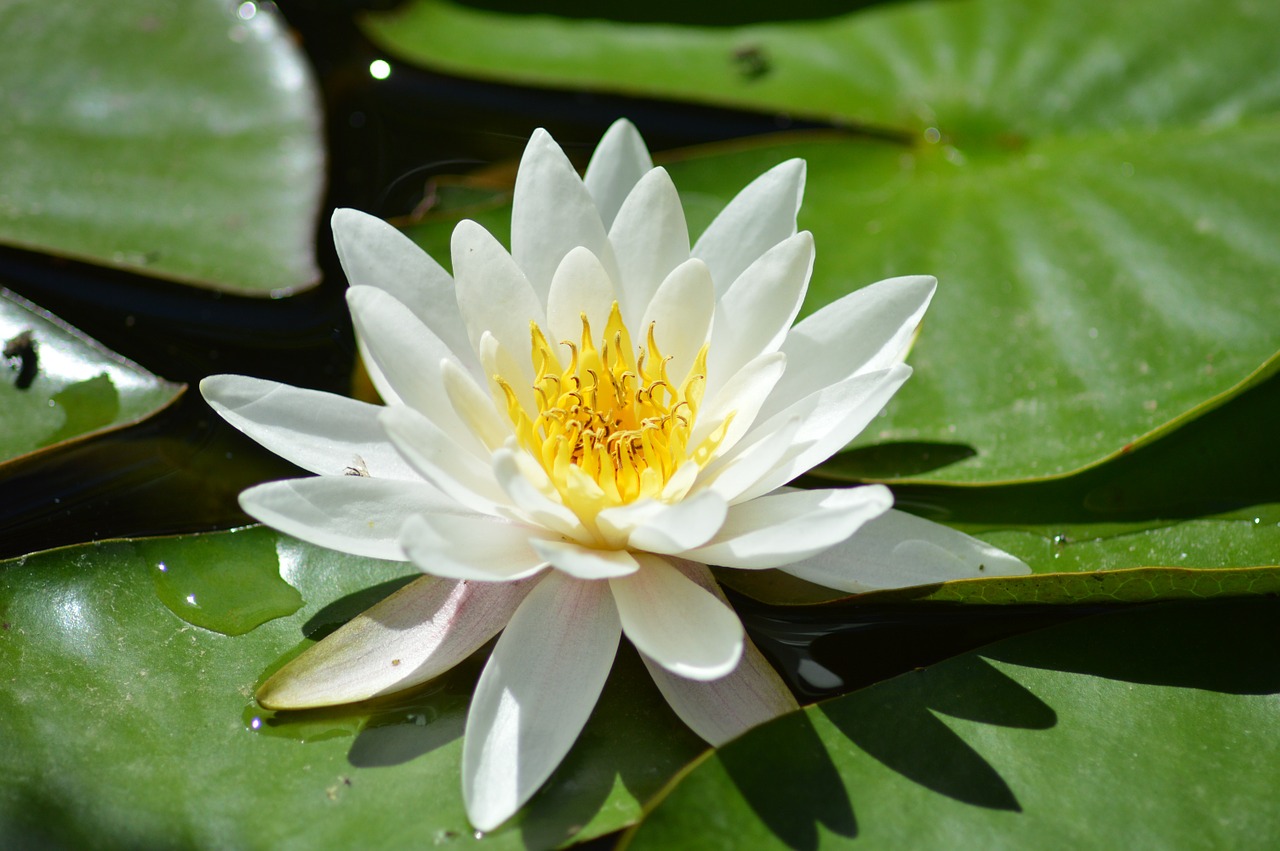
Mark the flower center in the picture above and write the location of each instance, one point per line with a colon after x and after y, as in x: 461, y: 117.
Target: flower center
x: 611, y: 426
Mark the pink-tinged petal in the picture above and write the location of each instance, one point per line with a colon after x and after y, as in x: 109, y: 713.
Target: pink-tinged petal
x: 320, y: 432
x: 619, y: 162
x: 662, y: 527
x: 724, y: 708
x: 791, y: 525
x: 535, y: 694
x: 676, y: 622
x: 437, y: 458
x: 650, y: 239
x: 475, y: 547
x: 551, y: 214
x: 375, y: 254
x: 416, y: 634
x: 585, y: 562
x: 580, y: 287
x: 762, y: 215
x: 829, y: 419
x: 868, y: 330
x: 407, y: 357
x: 494, y: 295
x: 899, y: 550
x: 350, y: 514
x: 762, y: 303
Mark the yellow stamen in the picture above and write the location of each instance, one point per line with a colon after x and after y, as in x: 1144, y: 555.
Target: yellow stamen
x: 611, y: 427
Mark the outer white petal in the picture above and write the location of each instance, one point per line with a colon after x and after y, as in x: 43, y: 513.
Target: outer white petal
x: 762, y: 215
x: 619, y: 161
x: 782, y: 528
x: 434, y: 455
x: 580, y: 286
x: 585, y: 562
x: 477, y: 547
x: 407, y: 356
x: 676, y: 622
x: 552, y: 213
x: 351, y: 514
x: 375, y: 254
x: 650, y: 238
x: 867, y: 330
x: 535, y: 694
x: 320, y: 432
x: 898, y: 550
x: 662, y: 527
x: 417, y: 633
x: 829, y: 419
x: 494, y: 295
x: 681, y: 312
x: 724, y: 708
x: 759, y: 308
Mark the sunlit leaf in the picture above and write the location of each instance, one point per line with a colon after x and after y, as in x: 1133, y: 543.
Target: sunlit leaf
x: 129, y: 725
x: 1153, y: 727
x: 56, y: 384
x: 1090, y: 182
x: 180, y: 140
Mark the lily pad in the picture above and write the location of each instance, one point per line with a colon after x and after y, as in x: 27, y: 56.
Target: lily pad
x: 1089, y: 182
x: 174, y: 140
x: 1153, y: 727
x: 127, y: 725
x: 56, y: 384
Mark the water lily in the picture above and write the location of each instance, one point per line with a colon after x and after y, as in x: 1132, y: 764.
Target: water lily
x: 573, y: 431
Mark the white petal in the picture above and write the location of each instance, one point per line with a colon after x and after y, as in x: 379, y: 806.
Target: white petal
x: 436, y: 457
x: 762, y: 303
x: 416, y: 634
x: 535, y: 695
x: 407, y: 356
x: 741, y: 398
x: 530, y: 490
x: 474, y: 407
x: 867, y: 330
x: 585, y: 562
x: 580, y: 286
x: 551, y: 214
x: 473, y: 546
x: 829, y: 419
x: 676, y: 622
x: 375, y: 254
x: 320, y: 432
x: 898, y: 550
x: 494, y: 295
x: 662, y: 527
x: 786, y: 527
x: 762, y: 215
x: 680, y: 312
x: 619, y: 161
x: 650, y: 239
x: 731, y: 475
x: 724, y: 708
x: 351, y: 514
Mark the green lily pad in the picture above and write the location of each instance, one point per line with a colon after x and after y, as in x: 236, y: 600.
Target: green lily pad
x: 1091, y: 184
x: 56, y: 384
x: 1152, y: 727
x: 175, y: 140
x: 127, y: 725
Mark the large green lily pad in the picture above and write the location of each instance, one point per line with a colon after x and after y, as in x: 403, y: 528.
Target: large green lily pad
x: 128, y: 725
x: 1144, y: 728
x: 1090, y: 182
x: 179, y: 140
x: 56, y: 384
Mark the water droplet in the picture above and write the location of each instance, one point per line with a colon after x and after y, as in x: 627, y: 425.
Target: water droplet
x: 932, y: 135
x: 379, y: 69
x: 256, y: 723
x: 225, y: 582
x: 246, y: 11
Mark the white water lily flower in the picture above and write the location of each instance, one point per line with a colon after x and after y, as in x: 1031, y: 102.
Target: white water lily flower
x: 573, y: 430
